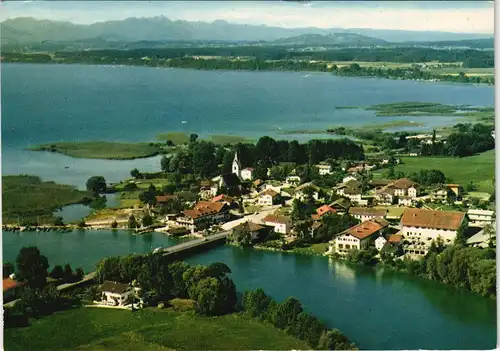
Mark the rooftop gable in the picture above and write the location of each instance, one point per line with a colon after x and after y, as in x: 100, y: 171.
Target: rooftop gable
x: 415, y: 217
x: 367, y: 228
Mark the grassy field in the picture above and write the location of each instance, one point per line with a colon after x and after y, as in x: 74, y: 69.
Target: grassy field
x: 314, y: 249
x: 149, y: 329
x: 228, y: 139
x: 468, y: 71
x: 479, y: 169
x: 101, y: 150
x: 29, y: 197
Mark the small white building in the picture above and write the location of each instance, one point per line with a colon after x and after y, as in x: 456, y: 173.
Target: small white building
x: 367, y: 213
x: 281, y: 224
x: 300, y: 191
x: 380, y: 242
x: 116, y: 294
x: 480, y: 218
x: 324, y: 169
x: 292, y: 180
x: 247, y: 173
x: 349, y: 178
x: 269, y: 197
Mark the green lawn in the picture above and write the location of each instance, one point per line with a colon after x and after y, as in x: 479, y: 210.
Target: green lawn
x: 479, y: 169
x: 314, y: 249
x: 149, y: 329
x: 102, y: 150
x: 29, y: 197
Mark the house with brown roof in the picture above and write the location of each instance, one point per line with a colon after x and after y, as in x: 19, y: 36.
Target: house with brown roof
x: 246, y: 232
x: 280, y: 224
x: 163, y: 199
x: 11, y: 288
x: 323, y: 210
x: 341, y: 205
x: 366, y: 213
x: 420, y: 227
x: 402, y: 188
x: 202, y: 214
x: 350, y: 189
x: 359, y: 237
x: 269, y: 197
x: 302, y: 190
x: 116, y: 294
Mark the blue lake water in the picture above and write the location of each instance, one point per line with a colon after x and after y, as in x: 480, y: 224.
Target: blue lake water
x: 45, y: 103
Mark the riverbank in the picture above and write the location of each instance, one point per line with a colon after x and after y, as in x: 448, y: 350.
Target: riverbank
x: 148, y: 329
x: 103, y: 149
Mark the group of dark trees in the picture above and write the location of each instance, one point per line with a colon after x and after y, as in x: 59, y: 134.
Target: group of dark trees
x: 465, y: 140
x: 355, y: 69
x: 38, y: 297
x: 290, y: 316
x: 204, y: 158
x: 469, y: 57
x: 473, y: 269
x: 210, y: 287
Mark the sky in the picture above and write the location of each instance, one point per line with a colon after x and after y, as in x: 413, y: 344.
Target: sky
x: 448, y: 16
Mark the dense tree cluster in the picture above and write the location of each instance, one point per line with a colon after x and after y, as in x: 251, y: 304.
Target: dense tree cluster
x: 38, y: 298
x: 471, y: 268
x: 355, y: 69
x: 206, y: 159
x: 290, y: 316
x: 469, y: 57
x: 210, y: 287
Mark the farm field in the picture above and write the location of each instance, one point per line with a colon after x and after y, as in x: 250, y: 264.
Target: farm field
x: 479, y: 169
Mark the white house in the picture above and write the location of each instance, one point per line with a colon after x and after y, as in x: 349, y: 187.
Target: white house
x: 380, y: 242
x: 292, y: 180
x: 405, y: 200
x: 359, y: 237
x: 269, y: 197
x: 247, y: 173
x: 116, y: 294
x: 324, y: 169
x: 420, y: 227
x: 399, y: 188
x: 300, y: 191
x: 366, y: 213
x: 480, y: 218
x: 281, y: 224
x: 349, y: 178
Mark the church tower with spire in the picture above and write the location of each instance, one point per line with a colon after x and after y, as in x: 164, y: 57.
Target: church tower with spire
x: 236, y: 165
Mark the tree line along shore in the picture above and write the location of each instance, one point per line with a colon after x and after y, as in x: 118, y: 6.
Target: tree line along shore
x: 461, y: 66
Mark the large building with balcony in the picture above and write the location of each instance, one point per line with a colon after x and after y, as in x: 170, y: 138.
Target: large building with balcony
x: 203, y: 214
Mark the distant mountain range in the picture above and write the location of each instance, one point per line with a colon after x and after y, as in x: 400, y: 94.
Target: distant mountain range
x: 350, y: 39
x: 22, y: 31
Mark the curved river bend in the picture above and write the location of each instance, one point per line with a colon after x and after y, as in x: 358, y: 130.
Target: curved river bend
x: 376, y: 308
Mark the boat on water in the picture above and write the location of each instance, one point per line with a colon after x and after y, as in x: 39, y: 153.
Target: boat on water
x: 307, y: 75
x: 158, y: 249
x: 184, y: 122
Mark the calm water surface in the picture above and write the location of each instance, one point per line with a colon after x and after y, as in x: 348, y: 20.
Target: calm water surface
x: 377, y: 309
x: 48, y: 103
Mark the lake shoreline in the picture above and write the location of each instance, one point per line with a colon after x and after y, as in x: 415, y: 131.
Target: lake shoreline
x: 431, y: 80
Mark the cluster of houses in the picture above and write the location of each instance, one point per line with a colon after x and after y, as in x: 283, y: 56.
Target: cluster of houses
x: 384, y: 207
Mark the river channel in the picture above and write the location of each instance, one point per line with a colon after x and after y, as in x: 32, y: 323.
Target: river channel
x: 376, y: 308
